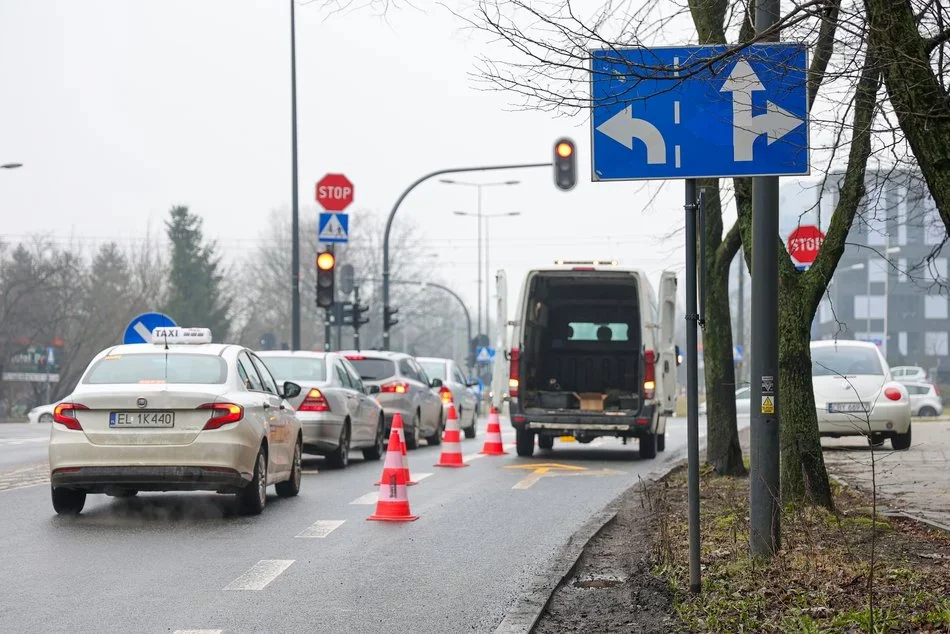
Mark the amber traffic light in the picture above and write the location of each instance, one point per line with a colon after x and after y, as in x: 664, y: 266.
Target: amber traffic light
x: 565, y: 165
x: 326, y: 273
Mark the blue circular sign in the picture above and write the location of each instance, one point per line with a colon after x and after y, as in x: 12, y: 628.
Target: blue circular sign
x: 140, y: 328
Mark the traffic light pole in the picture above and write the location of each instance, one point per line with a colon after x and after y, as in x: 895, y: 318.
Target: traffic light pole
x: 295, y: 212
x: 392, y: 216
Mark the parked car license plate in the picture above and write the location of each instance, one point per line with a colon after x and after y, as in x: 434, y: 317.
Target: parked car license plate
x: 848, y: 408
x: 141, y: 419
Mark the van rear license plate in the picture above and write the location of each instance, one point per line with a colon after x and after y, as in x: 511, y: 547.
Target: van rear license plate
x: 567, y: 439
x: 141, y: 419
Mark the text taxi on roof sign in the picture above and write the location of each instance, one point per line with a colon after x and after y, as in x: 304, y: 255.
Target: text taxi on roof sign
x: 177, y: 335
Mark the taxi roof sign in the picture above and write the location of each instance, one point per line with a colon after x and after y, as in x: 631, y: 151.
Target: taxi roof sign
x: 179, y: 335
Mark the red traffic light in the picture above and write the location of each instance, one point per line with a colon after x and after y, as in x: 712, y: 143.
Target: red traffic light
x: 326, y: 261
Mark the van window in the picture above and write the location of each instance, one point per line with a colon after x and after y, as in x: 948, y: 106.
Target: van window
x: 585, y: 331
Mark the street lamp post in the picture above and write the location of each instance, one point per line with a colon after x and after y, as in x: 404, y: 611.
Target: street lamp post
x: 486, y: 218
x: 478, y: 214
x: 295, y: 213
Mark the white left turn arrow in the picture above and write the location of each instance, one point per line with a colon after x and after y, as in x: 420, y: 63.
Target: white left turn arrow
x: 623, y: 128
x: 775, y: 123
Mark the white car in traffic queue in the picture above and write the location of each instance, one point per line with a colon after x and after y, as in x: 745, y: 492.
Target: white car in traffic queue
x: 336, y: 411
x: 455, y: 390
x: 855, y: 394
x: 178, y: 414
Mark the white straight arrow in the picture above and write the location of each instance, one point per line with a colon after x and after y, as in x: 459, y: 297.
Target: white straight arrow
x: 775, y: 123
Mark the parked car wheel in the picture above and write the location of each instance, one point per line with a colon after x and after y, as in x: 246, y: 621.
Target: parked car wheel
x: 901, y: 442
x: 291, y: 487
x: 340, y: 457
x: 925, y: 411
x: 376, y: 451
x: 524, y: 443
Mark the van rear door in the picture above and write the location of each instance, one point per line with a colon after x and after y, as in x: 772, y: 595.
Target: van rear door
x: 667, y: 388
x: 499, y: 379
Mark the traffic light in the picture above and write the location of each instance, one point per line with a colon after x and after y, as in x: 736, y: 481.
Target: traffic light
x: 388, y: 321
x: 565, y: 164
x: 326, y: 272
x: 356, y: 315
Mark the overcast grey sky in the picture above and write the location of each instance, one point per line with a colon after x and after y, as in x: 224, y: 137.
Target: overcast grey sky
x: 120, y: 109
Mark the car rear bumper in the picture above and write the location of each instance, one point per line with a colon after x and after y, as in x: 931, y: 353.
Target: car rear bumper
x: 388, y: 414
x: 167, y: 478
x: 321, y: 431
x: 886, y: 418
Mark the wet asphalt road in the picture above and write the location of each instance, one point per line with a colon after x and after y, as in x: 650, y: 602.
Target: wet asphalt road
x: 179, y: 562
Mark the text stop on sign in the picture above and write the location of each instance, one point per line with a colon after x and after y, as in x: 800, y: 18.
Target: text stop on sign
x: 804, y: 243
x: 334, y: 192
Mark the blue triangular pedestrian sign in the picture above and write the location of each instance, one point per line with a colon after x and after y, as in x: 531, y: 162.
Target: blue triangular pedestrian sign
x: 484, y: 354
x: 333, y: 227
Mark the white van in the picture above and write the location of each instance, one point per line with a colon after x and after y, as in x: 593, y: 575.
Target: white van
x: 591, y: 353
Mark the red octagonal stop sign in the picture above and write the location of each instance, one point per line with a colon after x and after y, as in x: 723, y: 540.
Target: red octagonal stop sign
x: 334, y: 192
x: 804, y: 243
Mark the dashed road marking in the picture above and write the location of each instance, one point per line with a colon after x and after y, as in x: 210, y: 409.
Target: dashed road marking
x: 197, y: 631
x: 12, y: 442
x: 419, y: 477
x: 369, y: 498
x: 474, y: 456
x: 260, y: 574
x: 321, y: 528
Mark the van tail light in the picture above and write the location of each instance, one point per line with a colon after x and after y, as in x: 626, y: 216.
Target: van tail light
x: 65, y: 414
x: 315, y: 401
x: 394, y: 388
x: 514, y: 373
x: 892, y: 393
x: 649, y: 374
x: 222, y: 414
x: 446, y: 395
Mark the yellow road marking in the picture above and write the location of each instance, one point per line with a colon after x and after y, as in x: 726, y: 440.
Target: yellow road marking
x: 547, y: 466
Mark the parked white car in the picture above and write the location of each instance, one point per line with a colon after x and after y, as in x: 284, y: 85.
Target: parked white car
x: 924, y: 399
x: 41, y: 414
x: 855, y: 394
x: 908, y: 373
x: 743, y: 398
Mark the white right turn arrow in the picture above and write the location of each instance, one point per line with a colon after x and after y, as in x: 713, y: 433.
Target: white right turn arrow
x: 776, y: 122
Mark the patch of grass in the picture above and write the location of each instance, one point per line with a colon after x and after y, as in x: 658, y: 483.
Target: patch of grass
x: 820, y: 580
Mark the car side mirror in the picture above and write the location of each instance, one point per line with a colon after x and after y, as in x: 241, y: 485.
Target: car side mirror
x: 435, y: 383
x: 290, y: 390
x: 372, y: 389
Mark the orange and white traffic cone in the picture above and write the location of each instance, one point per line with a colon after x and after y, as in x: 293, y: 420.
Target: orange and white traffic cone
x: 493, y: 445
x: 451, y: 442
x: 393, y: 502
x: 398, y: 426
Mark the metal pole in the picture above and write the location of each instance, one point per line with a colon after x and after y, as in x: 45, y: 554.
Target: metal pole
x: 764, y: 491
x: 487, y: 281
x: 327, y: 330
x: 295, y: 212
x: 867, y: 302
x: 692, y: 385
x: 478, y: 220
x: 740, y: 317
x: 356, y: 318
x: 392, y: 215
x: 887, y: 274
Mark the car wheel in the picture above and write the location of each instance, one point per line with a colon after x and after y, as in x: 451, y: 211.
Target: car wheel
x: 340, y: 457
x: 901, y: 442
x: 48, y: 418
x: 924, y: 411
x: 67, y: 501
x: 524, y: 443
x: 876, y: 440
x: 661, y: 442
x: 253, y: 497
x: 414, y: 433
x: 469, y: 431
x: 648, y: 446
x: 376, y: 451
x: 546, y: 442
x: 291, y: 487
x: 436, y: 438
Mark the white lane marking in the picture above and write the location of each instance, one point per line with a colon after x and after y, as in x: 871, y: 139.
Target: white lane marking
x: 369, y: 498
x: 143, y: 332
x: 676, y: 112
x: 197, y: 631
x: 419, y: 477
x: 474, y: 456
x: 22, y: 441
x: 321, y: 528
x: 260, y: 574
x: 676, y: 149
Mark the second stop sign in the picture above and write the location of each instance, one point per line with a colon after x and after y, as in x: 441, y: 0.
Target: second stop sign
x: 334, y: 192
x: 804, y: 243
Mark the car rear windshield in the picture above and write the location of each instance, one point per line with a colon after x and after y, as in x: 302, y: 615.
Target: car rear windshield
x: 845, y: 360
x: 434, y: 369
x: 374, y: 369
x: 306, y: 369
x: 158, y: 368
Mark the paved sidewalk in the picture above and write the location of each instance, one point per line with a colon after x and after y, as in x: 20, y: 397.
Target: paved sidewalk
x: 916, y: 481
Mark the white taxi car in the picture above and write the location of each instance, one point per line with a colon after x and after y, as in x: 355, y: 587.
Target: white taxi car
x: 855, y: 394
x: 178, y: 414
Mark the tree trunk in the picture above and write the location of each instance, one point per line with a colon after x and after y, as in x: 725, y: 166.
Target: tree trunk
x: 804, y: 478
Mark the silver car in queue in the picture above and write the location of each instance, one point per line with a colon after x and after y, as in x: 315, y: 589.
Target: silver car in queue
x: 455, y: 390
x: 335, y: 409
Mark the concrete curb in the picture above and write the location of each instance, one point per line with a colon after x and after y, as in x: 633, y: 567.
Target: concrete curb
x: 527, y: 610
x: 885, y: 512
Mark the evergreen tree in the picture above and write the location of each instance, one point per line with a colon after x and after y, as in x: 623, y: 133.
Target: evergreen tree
x: 194, y: 292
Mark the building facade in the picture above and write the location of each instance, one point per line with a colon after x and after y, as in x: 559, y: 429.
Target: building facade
x: 891, y: 284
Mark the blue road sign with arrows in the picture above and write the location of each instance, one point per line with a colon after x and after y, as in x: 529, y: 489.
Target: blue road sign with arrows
x: 699, y: 111
x: 140, y: 328
x: 334, y: 227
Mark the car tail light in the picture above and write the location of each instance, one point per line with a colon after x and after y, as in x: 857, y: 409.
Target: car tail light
x: 649, y: 374
x: 514, y: 373
x: 222, y: 414
x: 446, y: 395
x: 65, y: 414
x: 355, y: 357
x: 892, y: 393
x: 394, y: 388
x: 315, y: 401
x: 936, y: 389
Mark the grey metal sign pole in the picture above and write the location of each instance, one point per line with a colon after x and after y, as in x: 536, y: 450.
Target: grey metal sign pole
x: 764, y: 492
x: 692, y: 385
